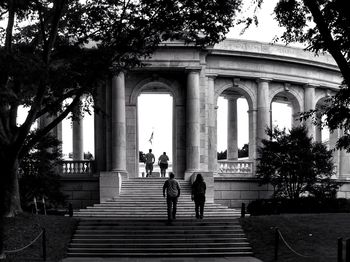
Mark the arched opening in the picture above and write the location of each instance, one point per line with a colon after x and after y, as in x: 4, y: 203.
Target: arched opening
x: 322, y: 132
x: 155, y: 127
x: 88, y: 134
x: 284, y: 111
x: 239, y: 138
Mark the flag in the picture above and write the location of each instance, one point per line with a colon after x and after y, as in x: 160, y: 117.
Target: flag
x: 151, y: 138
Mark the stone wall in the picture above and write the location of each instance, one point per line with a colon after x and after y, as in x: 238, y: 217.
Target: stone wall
x: 232, y: 192
x: 81, y: 191
x: 344, y: 191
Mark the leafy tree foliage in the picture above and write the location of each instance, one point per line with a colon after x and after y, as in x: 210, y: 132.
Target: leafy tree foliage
x: 52, y: 50
x: 324, y: 26
x: 296, y: 166
x: 39, y: 176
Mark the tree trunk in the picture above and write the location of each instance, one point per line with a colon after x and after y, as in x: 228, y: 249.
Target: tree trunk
x: 10, y: 204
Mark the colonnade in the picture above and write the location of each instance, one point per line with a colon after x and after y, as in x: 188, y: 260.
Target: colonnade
x: 259, y: 118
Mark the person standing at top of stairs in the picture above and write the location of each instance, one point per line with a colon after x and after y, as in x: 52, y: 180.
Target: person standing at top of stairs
x: 198, y: 195
x: 150, y: 159
x: 173, y: 189
x: 163, y: 164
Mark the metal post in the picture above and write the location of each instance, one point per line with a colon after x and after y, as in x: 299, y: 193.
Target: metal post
x: 347, y: 250
x: 70, y: 209
x: 44, y: 244
x: 277, y: 238
x: 243, y: 210
x: 340, y: 249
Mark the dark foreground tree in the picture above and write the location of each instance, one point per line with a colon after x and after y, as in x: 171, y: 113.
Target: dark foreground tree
x: 296, y: 166
x: 39, y: 174
x: 52, y: 50
x: 324, y: 26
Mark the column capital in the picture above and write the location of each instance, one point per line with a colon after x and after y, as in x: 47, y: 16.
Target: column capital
x: 193, y: 69
x: 263, y: 79
x: 211, y: 76
x: 287, y: 87
x: 311, y: 85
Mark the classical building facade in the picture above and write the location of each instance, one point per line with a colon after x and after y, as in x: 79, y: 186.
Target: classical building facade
x: 259, y: 72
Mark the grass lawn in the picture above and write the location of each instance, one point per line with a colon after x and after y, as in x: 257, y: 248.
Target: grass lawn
x: 314, y: 235
x: 22, y: 229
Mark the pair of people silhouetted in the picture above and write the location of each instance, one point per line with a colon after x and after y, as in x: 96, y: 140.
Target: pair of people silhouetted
x: 172, y: 189
x: 162, y: 162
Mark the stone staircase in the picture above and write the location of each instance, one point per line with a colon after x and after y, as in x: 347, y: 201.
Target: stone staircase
x: 134, y: 224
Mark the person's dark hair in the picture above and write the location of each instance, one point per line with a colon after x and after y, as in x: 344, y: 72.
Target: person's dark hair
x: 164, y: 153
x: 171, y: 175
x: 199, y: 178
x: 150, y: 150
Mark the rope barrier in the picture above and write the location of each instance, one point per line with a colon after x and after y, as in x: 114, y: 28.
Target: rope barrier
x: 21, y: 249
x: 290, y: 248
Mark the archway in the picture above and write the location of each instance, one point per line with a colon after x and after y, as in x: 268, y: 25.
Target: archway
x: 155, y: 127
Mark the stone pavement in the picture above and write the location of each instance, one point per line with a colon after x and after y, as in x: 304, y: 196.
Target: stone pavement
x: 163, y: 259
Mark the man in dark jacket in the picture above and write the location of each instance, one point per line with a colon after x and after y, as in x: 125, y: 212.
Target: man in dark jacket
x: 172, y: 188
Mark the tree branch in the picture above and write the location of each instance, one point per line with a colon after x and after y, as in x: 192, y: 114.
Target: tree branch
x: 59, y: 101
x: 50, y: 126
x: 42, y: 23
x: 9, y: 28
x: 58, y: 7
x: 331, y: 45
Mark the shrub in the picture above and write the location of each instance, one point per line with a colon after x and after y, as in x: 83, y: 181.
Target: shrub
x: 39, y: 175
x: 295, y: 166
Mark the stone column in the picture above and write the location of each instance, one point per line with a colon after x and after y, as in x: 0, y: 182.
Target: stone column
x: 263, y: 114
x: 78, y: 150
x: 344, y: 162
x: 100, y: 130
x: 192, y: 122
x: 212, y: 146
x: 309, y: 103
x: 333, y: 138
x: 232, y: 130
x: 252, y: 115
x: 118, y: 123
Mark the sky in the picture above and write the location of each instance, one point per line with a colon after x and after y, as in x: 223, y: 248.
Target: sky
x: 155, y: 111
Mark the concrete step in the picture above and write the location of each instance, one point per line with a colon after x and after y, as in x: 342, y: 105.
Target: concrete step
x: 162, y: 254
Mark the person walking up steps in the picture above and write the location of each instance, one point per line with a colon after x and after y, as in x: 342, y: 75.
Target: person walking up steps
x: 198, y: 195
x: 163, y: 164
x: 172, y: 188
x: 150, y: 159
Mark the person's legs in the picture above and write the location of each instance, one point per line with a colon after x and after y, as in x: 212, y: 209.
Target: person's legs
x: 196, y: 207
x: 174, y: 207
x: 169, y: 203
x: 150, y: 169
x: 201, y: 209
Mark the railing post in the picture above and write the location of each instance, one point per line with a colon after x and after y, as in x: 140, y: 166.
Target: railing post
x: 277, y: 238
x: 347, y: 250
x: 44, y: 243
x: 243, y: 210
x: 340, y: 249
x: 70, y: 209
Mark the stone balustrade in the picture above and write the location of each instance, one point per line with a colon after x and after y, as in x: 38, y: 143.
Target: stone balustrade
x: 77, y: 167
x: 235, y: 168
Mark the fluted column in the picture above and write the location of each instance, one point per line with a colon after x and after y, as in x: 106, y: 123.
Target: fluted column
x: 344, y: 162
x: 263, y: 114
x: 309, y: 104
x: 333, y: 138
x: 118, y: 123
x: 192, y: 122
x: 212, y: 144
x: 232, y: 130
x: 78, y: 143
